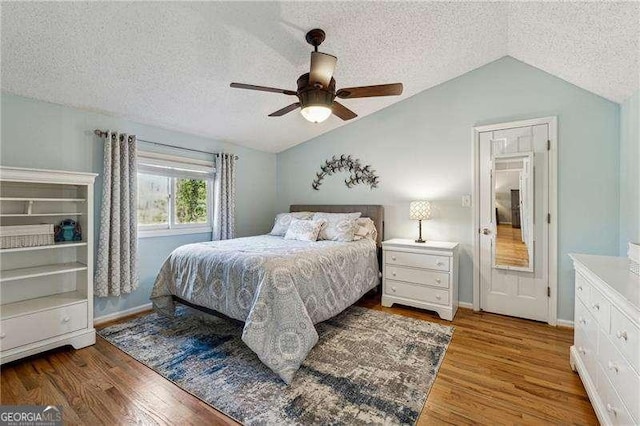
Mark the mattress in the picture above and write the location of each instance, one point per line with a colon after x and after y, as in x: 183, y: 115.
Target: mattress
x: 279, y: 288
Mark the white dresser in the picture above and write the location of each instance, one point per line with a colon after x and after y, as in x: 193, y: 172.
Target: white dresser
x: 606, y: 350
x: 423, y: 275
x: 47, y: 291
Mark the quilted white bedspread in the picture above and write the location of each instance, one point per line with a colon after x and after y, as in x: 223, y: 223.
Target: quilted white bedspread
x: 279, y: 288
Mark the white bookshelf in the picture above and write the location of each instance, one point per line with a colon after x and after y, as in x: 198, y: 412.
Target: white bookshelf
x: 62, y: 244
x: 47, y: 291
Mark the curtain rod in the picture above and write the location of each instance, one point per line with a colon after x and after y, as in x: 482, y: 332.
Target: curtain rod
x: 102, y: 133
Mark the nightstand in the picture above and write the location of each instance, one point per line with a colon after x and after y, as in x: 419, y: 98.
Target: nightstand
x: 423, y: 275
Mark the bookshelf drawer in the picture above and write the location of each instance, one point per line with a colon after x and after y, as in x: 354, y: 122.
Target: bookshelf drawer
x: 30, y: 328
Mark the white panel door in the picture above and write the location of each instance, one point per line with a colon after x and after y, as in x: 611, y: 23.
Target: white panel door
x: 511, y: 290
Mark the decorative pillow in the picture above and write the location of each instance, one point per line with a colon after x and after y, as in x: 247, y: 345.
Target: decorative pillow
x: 284, y: 219
x: 366, y: 229
x: 304, y: 230
x: 339, y: 227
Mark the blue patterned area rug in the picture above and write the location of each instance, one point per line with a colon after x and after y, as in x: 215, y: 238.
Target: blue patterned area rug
x: 368, y: 367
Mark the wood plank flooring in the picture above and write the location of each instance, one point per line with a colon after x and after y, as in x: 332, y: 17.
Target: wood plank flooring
x: 497, y: 370
x: 510, y: 250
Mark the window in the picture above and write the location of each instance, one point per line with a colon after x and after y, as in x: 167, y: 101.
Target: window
x: 175, y: 195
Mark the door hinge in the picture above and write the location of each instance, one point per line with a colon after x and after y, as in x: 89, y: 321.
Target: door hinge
x: 548, y: 145
x: 548, y: 217
x: 548, y: 291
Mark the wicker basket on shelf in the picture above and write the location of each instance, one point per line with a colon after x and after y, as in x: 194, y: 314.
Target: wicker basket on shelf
x: 18, y: 236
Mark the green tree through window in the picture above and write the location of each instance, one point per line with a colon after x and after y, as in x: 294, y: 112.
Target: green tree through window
x: 191, y: 201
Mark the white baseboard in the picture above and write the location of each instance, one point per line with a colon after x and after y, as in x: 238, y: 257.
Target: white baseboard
x: 564, y: 323
x: 466, y: 305
x: 120, y: 314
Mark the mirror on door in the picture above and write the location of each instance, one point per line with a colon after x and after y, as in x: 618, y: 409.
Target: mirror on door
x: 513, y: 212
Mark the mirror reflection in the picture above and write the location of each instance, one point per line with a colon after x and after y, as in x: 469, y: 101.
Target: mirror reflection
x: 513, y: 202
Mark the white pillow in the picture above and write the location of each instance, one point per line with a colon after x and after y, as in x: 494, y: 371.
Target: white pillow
x: 366, y: 229
x: 304, y: 230
x: 339, y: 227
x: 284, y: 219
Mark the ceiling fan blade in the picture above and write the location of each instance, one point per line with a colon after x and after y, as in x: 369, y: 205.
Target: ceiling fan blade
x: 322, y: 68
x: 342, y: 111
x: 285, y: 110
x: 370, y: 91
x: 261, y: 88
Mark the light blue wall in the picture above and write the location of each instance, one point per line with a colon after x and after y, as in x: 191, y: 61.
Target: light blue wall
x: 42, y: 135
x: 629, y: 172
x: 421, y: 148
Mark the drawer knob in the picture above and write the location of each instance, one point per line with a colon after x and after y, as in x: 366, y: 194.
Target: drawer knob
x: 580, y: 288
x: 612, y: 409
x: 65, y: 319
x: 596, y: 306
x: 438, y: 297
x: 393, y: 273
x: 393, y: 289
x: 2, y: 335
x: 582, y: 320
x: 622, y: 334
x: 581, y: 350
x: 439, y: 263
x: 438, y: 280
x: 393, y: 258
x: 613, y: 367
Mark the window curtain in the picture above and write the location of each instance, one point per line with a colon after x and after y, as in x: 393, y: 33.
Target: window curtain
x: 116, y: 264
x: 225, y: 206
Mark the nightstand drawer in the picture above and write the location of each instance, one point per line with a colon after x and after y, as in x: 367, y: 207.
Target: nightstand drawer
x: 417, y: 260
x: 418, y: 276
x: 416, y: 292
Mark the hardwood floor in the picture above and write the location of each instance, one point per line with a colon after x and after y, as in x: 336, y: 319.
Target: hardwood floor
x: 510, y: 250
x: 497, y: 370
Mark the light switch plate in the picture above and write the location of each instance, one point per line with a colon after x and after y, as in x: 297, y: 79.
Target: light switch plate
x: 466, y: 201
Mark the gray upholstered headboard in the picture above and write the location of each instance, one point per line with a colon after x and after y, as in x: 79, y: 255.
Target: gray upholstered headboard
x: 373, y: 211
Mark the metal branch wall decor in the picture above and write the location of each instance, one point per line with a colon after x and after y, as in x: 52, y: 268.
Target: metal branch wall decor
x: 358, y: 174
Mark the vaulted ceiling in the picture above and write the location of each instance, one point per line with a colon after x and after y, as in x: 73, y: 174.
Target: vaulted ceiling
x: 170, y: 63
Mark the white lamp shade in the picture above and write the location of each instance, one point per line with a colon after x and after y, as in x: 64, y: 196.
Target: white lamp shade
x: 316, y: 113
x: 420, y: 210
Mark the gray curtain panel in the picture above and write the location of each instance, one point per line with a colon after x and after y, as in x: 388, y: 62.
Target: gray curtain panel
x: 224, y: 217
x: 116, y: 264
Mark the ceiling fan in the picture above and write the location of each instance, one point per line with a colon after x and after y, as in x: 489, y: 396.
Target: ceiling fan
x: 317, y: 89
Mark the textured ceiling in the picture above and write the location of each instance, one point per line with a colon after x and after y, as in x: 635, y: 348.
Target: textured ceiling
x: 170, y: 63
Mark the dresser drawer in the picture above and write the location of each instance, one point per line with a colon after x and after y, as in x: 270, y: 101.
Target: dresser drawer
x: 623, y: 378
x: 416, y: 292
x: 586, y: 348
x: 42, y: 325
x: 582, y: 288
x: 614, y: 408
x: 600, y: 308
x: 626, y: 337
x: 418, y: 276
x: 417, y: 260
x: 585, y: 322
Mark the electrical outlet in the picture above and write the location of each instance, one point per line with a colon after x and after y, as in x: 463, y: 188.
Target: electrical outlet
x: 466, y: 201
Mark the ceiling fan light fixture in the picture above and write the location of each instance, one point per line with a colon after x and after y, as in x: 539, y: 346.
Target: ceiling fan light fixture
x: 316, y: 113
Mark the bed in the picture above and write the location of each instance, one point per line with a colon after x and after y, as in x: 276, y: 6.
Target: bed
x: 278, y: 288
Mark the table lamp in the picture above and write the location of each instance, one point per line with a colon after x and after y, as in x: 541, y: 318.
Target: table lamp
x: 420, y: 210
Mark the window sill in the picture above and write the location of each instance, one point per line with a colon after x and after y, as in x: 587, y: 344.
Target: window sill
x: 152, y: 233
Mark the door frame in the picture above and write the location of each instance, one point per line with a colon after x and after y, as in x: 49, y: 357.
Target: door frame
x: 552, y: 122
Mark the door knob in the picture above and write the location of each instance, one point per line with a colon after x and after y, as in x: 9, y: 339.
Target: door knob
x: 486, y: 231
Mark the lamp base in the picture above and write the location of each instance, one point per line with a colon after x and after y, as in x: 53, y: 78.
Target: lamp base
x: 420, y: 240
